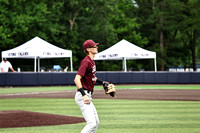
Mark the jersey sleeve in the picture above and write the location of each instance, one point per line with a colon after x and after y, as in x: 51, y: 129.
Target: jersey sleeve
x: 9, y: 64
x: 82, y: 68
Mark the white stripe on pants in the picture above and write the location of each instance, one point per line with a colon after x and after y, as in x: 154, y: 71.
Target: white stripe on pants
x: 89, y: 113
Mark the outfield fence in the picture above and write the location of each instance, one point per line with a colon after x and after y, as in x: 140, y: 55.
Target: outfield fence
x: 67, y: 78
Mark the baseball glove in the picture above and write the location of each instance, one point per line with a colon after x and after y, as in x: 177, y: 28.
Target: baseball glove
x: 109, y: 88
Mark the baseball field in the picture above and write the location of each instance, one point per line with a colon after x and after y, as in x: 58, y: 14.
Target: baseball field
x: 137, y: 108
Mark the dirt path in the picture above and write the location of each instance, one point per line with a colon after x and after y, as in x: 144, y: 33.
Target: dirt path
x: 131, y: 94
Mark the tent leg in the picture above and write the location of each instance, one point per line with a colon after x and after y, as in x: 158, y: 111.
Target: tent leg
x: 125, y: 66
x: 155, y: 65
x: 35, y: 64
x: 71, y: 64
x: 38, y: 64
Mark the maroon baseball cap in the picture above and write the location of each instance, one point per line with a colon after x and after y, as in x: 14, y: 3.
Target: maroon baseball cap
x: 89, y: 43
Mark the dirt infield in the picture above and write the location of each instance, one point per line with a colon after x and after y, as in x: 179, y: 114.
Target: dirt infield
x: 11, y: 119
x: 131, y: 94
x: 27, y: 119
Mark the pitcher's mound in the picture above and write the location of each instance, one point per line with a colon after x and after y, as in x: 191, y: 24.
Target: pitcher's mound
x: 10, y: 119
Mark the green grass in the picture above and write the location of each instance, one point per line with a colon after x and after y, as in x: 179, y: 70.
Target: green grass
x: 116, y: 116
x: 35, y: 89
x: 158, y: 87
x: 62, y: 88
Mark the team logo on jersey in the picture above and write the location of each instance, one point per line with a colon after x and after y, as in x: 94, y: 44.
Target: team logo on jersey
x: 94, y: 72
x: 94, y: 69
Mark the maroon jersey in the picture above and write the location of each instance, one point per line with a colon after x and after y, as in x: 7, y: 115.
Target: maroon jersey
x: 87, y: 70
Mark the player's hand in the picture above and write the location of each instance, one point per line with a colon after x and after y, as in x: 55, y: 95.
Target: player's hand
x: 109, y: 88
x: 86, y: 99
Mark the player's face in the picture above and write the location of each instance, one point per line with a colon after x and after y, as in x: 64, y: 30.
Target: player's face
x: 93, y: 49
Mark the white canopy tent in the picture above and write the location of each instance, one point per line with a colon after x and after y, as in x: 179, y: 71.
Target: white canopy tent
x: 35, y: 49
x: 124, y: 50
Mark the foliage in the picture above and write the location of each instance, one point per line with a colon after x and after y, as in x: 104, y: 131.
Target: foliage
x: 169, y: 27
x: 174, y: 20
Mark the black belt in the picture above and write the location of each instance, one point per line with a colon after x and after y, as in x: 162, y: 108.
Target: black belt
x: 88, y: 91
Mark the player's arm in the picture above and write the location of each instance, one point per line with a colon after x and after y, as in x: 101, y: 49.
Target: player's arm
x: 100, y: 81
x: 104, y: 83
x: 77, y: 81
x: 12, y: 69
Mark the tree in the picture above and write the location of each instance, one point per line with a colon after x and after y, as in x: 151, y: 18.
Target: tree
x: 191, y: 29
x: 163, y: 21
x: 169, y: 27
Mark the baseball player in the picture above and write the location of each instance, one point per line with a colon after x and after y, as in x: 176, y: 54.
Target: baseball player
x: 85, y: 80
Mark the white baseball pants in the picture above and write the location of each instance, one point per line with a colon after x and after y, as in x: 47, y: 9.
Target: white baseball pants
x: 89, y: 113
